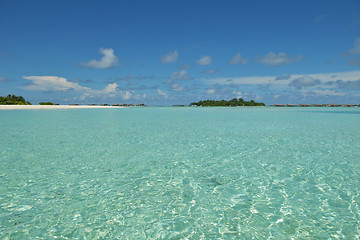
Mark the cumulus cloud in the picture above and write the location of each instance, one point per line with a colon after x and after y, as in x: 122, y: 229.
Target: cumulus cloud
x: 356, y: 49
x: 109, y: 60
x: 238, y: 60
x: 170, y: 57
x: 274, y: 59
x: 304, y: 82
x: 205, y: 60
x: 51, y: 84
x: 110, y: 90
x: 126, y: 95
x: 181, y: 75
x: 161, y: 93
x: 349, y: 85
x: 238, y: 94
x: 55, y: 84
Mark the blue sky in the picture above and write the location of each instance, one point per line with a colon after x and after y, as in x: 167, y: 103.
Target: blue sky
x: 178, y: 52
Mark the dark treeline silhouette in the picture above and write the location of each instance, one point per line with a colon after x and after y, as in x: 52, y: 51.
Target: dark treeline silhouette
x: 223, y: 103
x: 13, y: 100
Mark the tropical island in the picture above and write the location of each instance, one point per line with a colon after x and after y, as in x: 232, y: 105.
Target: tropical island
x: 231, y: 103
x: 46, y: 103
x: 13, y: 100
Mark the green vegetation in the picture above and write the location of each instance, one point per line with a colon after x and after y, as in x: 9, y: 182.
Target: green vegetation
x: 46, y: 103
x: 13, y: 100
x: 223, y: 103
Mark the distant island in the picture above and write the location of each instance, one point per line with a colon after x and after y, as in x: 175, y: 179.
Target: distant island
x: 46, y: 103
x: 231, y: 103
x: 13, y: 100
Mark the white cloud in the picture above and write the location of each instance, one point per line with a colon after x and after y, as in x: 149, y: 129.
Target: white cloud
x: 242, y: 80
x: 111, y: 90
x: 54, y: 84
x: 51, y: 83
x: 273, y: 59
x: 304, y: 82
x: 182, y: 75
x: 323, y: 93
x: 237, y: 59
x: 107, y: 61
x: 170, y: 57
x: 238, y: 94
x: 356, y: 49
x: 161, y: 93
x: 127, y: 95
x: 205, y: 60
x: 323, y: 77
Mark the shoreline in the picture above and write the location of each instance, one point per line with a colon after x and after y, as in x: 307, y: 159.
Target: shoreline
x: 31, y: 107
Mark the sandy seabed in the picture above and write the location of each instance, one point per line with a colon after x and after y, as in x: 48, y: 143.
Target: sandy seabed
x: 14, y: 107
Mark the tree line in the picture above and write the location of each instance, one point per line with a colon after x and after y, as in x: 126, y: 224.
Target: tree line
x: 223, y: 103
x: 13, y: 100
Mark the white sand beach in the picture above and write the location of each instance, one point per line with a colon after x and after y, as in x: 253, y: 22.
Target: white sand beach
x: 14, y: 107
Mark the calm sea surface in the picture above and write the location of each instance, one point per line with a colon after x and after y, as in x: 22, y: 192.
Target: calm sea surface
x: 178, y: 173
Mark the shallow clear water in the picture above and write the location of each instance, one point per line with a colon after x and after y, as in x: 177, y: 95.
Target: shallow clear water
x: 177, y: 173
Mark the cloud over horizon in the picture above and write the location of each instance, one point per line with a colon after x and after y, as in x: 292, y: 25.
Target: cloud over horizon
x: 60, y: 84
x: 109, y: 60
x: 161, y: 93
x: 51, y: 84
x: 304, y: 82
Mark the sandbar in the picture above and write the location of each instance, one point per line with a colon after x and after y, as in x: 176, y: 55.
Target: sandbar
x: 14, y: 107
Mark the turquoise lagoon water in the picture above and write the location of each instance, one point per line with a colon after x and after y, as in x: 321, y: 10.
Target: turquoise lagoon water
x: 180, y: 173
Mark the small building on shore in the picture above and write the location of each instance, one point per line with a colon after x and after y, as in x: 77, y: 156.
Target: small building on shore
x: 348, y: 105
